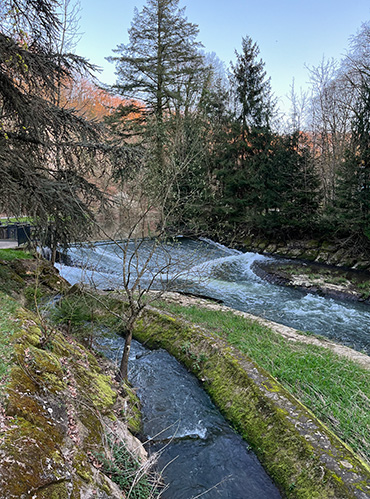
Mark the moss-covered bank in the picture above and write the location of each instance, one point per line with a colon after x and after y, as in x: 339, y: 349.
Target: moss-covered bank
x: 304, y: 458
x: 340, y: 253
x: 62, y: 416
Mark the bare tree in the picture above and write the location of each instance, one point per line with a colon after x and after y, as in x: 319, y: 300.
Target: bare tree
x: 330, y: 119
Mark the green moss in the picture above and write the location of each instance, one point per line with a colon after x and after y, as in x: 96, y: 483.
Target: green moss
x: 95, y: 431
x: 132, y: 414
x: 55, y: 491
x: 55, y: 397
x: 250, y: 405
x: 82, y: 466
x: 47, y: 368
x: 96, y: 387
x: 30, y: 451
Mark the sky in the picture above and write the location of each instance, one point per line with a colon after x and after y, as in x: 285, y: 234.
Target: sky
x: 291, y: 34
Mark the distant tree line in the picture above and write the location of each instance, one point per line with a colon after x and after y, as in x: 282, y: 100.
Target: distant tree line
x: 214, y: 145
x: 206, y: 145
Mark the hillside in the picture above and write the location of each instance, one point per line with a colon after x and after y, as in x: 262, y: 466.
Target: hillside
x: 64, y: 421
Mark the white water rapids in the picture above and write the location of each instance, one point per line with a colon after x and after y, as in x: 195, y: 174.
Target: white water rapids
x: 210, y: 269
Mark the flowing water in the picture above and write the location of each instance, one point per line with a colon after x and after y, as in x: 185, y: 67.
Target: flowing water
x: 213, y: 270
x: 198, y: 450
x: 201, y: 455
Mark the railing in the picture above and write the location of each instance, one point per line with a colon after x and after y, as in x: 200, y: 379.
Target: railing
x: 16, y: 232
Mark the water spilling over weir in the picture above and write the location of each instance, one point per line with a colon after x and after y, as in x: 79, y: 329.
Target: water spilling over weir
x: 199, y: 452
x: 209, y: 269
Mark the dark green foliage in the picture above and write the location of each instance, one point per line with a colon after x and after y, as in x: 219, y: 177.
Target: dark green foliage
x: 160, y: 59
x: 292, y: 187
x: 46, y: 152
x: 252, y: 90
x: 352, y: 204
x: 73, y: 311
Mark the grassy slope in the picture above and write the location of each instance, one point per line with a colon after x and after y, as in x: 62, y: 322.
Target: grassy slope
x: 7, y: 327
x: 334, y: 388
x: 8, y: 308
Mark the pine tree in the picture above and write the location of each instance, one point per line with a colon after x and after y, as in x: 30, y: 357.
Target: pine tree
x: 160, y: 58
x: 254, y: 104
x: 159, y: 71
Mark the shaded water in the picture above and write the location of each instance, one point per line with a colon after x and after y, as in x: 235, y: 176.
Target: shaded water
x: 198, y: 450
x: 213, y: 270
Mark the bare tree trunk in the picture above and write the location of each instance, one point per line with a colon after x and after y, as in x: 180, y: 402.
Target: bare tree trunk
x: 123, y: 368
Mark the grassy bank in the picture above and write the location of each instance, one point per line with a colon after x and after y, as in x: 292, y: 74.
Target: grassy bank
x: 304, y: 458
x: 8, y: 308
x: 334, y: 388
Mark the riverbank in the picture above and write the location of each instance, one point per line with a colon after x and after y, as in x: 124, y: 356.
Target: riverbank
x: 64, y: 421
x: 305, y: 458
x: 323, y: 280
x: 301, y: 454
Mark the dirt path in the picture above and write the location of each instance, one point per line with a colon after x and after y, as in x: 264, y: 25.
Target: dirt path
x: 288, y: 332
x: 6, y: 243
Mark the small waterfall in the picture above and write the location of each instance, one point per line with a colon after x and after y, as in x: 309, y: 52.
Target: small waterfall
x: 210, y: 269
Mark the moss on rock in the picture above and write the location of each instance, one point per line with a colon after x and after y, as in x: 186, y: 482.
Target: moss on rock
x: 300, y: 453
x: 55, y: 402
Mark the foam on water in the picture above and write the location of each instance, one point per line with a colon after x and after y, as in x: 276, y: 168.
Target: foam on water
x: 231, y: 251
x: 210, y: 269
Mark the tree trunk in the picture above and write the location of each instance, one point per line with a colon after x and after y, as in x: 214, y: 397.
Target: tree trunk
x: 123, y: 368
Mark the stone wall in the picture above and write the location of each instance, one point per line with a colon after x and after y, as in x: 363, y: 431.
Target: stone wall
x: 341, y: 254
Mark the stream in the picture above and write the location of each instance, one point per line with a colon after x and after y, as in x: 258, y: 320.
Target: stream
x: 197, y: 449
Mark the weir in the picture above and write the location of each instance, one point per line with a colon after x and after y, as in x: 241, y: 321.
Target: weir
x: 209, y: 269
x: 197, y: 448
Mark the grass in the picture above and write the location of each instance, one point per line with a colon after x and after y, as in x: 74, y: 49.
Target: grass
x: 14, y: 254
x: 128, y: 473
x: 336, y: 389
x: 13, y: 220
x: 8, y: 308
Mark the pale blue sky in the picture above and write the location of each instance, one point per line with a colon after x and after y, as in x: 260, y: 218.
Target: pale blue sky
x: 290, y: 33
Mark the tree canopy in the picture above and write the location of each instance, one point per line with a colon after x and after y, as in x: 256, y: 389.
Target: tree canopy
x: 46, y: 151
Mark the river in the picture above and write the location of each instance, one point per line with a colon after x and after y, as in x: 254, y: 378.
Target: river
x: 207, y: 268
x: 200, y: 453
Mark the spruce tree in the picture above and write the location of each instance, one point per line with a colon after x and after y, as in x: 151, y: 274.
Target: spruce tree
x: 352, y: 205
x: 245, y: 163
x: 156, y: 70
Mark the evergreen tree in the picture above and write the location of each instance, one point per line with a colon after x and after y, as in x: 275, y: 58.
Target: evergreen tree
x: 296, y: 187
x: 352, y: 206
x: 268, y: 181
x: 158, y: 69
x: 253, y: 101
x: 46, y: 152
x: 245, y: 162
